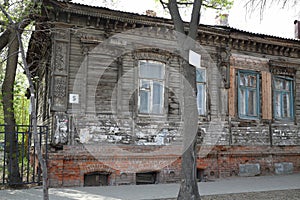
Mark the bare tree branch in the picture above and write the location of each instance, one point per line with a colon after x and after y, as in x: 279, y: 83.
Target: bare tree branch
x: 164, y: 4
x: 34, y: 118
x: 261, y: 5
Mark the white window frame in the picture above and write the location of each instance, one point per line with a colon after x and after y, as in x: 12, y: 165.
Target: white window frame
x: 150, y: 89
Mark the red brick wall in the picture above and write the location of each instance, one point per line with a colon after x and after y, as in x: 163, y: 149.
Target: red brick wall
x: 68, y: 169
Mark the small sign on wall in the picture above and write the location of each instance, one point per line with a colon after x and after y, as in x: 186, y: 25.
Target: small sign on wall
x: 194, y: 59
x: 74, y: 98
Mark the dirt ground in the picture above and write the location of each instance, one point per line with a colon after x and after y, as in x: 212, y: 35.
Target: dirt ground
x: 271, y: 195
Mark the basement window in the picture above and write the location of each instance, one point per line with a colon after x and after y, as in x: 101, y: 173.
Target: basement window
x: 146, y: 178
x: 96, y: 179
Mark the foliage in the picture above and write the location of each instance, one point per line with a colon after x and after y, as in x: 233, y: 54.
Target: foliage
x: 262, y: 5
x: 21, y: 103
x: 15, y: 17
x: 220, y: 5
x: 16, y: 9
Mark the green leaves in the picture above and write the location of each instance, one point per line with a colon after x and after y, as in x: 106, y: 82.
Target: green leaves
x: 18, y: 10
x: 218, y: 4
x: 215, y: 4
x: 21, y: 103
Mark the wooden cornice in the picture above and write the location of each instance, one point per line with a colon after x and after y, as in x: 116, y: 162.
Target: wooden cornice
x: 250, y: 42
x: 234, y: 39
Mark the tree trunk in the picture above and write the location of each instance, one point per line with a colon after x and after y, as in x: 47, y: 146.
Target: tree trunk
x: 11, y: 137
x: 189, y: 188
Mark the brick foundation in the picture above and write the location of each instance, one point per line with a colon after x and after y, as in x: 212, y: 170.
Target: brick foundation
x: 68, y: 166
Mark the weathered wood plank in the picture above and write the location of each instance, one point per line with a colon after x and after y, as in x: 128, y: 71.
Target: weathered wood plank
x: 232, y: 94
x: 266, y: 95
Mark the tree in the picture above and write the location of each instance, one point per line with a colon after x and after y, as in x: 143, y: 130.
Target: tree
x: 9, y: 39
x: 261, y: 5
x: 16, y: 16
x: 189, y: 188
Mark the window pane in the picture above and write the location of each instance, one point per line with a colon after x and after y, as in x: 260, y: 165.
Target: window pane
x: 242, y: 80
x: 151, y: 70
x: 201, y: 99
x: 286, y: 85
x: 144, y: 101
x: 145, y: 84
x: 248, y: 80
x: 242, y: 102
x: 252, y: 81
x: 278, y: 105
x: 286, y: 105
x: 200, y: 75
x: 278, y: 84
x: 283, y: 102
x: 252, y: 103
x: 157, y: 98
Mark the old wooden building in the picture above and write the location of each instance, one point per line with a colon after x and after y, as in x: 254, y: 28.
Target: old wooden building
x: 110, y: 89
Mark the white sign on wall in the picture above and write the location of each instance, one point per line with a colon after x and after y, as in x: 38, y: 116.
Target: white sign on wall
x: 74, y: 98
x: 194, y: 59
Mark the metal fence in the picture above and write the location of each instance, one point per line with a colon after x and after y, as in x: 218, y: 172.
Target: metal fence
x: 18, y: 154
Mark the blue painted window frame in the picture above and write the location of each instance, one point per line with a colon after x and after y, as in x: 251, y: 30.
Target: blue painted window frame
x: 247, y: 89
x: 281, y: 93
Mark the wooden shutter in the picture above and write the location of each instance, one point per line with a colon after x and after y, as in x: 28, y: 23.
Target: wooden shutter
x: 232, y: 94
x: 266, y: 95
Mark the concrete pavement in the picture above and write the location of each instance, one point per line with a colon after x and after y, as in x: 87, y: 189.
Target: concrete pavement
x: 159, y: 191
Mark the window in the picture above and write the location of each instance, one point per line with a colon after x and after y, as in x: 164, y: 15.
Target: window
x: 201, y: 90
x: 283, y: 98
x: 248, y: 94
x: 151, y: 87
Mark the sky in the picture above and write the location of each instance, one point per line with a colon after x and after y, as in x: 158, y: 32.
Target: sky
x: 276, y: 21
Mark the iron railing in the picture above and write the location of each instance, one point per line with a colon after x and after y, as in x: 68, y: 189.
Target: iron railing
x: 28, y: 165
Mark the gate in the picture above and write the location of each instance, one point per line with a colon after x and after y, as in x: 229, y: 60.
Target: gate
x: 18, y: 158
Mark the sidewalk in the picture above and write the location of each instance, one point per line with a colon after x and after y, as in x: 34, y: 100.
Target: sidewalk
x: 159, y: 191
